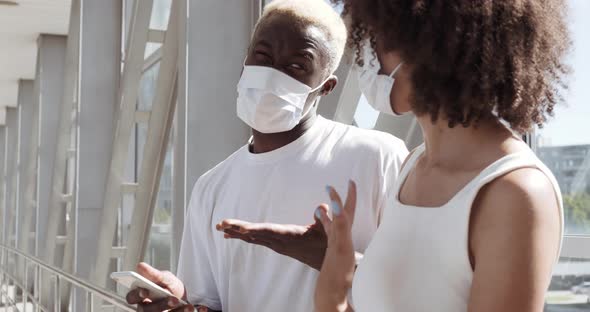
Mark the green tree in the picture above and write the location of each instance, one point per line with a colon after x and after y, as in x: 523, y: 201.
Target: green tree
x: 577, y: 212
x: 161, y: 216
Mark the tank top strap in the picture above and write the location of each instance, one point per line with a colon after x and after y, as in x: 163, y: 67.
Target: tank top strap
x: 505, y: 165
x: 408, y: 166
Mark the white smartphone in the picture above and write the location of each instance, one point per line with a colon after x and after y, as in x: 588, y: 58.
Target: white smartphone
x: 133, y: 280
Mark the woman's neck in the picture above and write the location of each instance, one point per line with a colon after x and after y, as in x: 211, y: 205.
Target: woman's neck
x: 461, y: 147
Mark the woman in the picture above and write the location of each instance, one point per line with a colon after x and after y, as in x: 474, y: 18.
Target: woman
x: 476, y: 221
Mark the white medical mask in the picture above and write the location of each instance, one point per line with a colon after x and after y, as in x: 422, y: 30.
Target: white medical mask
x: 376, y: 88
x: 271, y: 101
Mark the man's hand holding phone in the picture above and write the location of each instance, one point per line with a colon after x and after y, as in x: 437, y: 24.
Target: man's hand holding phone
x: 167, y: 281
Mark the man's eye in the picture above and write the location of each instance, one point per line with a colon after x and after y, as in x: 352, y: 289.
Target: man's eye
x: 262, y: 54
x: 297, y: 66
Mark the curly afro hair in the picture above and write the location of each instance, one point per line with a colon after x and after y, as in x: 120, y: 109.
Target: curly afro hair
x: 471, y: 60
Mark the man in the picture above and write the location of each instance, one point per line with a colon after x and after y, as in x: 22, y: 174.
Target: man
x: 280, y: 176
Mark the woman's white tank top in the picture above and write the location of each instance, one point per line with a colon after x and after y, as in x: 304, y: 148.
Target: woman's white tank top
x: 418, y: 259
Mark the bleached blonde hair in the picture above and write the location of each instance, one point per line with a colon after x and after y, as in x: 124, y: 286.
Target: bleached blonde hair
x: 317, y: 13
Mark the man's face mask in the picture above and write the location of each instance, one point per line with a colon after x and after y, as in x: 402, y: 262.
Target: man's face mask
x: 271, y: 101
x: 375, y: 87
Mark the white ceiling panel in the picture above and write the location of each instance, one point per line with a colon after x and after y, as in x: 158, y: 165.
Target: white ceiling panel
x: 20, y: 26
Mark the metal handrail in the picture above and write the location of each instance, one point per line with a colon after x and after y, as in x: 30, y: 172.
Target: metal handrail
x: 89, y: 288
x: 28, y: 295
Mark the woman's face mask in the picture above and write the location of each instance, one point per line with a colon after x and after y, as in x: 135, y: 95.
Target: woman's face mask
x: 271, y: 101
x: 375, y: 87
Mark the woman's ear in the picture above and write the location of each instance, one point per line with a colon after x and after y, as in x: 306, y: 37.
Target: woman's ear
x: 329, y: 85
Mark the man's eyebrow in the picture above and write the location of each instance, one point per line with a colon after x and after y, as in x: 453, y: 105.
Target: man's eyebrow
x: 312, y: 43
x: 263, y: 43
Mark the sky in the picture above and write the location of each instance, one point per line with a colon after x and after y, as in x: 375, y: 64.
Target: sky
x: 571, y: 124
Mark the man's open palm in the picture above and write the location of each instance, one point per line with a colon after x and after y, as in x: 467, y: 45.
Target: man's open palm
x: 306, y: 243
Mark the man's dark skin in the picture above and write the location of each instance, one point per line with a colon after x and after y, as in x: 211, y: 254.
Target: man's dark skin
x: 302, y: 52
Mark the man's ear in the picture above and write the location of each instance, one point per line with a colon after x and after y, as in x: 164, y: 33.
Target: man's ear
x: 329, y: 85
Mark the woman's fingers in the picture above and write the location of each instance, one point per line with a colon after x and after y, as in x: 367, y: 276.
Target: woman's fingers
x: 335, y: 201
x: 343, y: 215
x: 321, y: 213
x: 350, y: 205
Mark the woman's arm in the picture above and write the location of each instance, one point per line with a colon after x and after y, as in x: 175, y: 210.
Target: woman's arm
x: 514, y: 240
x: 335, y: 279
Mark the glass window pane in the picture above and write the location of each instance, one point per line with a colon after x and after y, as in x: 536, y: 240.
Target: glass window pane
x: 160, y: 14
x: 150, y: 48
x: 365, y: 116
x: 564, y: 144
x: 147, y: 88
x: 158, y: 252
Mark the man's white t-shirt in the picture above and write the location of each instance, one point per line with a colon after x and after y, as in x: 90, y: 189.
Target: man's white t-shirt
x: 282, y: 186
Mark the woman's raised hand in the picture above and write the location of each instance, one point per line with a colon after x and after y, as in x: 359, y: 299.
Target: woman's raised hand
x: 337, y: 271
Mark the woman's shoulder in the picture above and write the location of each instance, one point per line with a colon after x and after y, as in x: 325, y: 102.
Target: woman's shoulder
x: 522, y: 206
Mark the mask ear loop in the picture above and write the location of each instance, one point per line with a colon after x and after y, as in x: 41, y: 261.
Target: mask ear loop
x: 321, y: 84
x: 315, y: 102
x: 397, y: 68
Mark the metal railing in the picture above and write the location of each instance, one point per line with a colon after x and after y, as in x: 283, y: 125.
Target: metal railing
x: 30, y: 295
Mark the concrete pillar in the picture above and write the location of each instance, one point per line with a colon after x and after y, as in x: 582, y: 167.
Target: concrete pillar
x: 206, y: 88
x: 52, y: 51
x: 2, y: 181
x: 26, y: 104
x: 179, y: 143
x: 12, y: 138
x: 213, y: 73
x: 100, y: 70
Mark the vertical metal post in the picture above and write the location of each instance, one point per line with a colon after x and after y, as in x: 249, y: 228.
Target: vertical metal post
x: 89, y: 302
x: 57, y: 297
x: 40, y: 283
x: 25, y: 285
